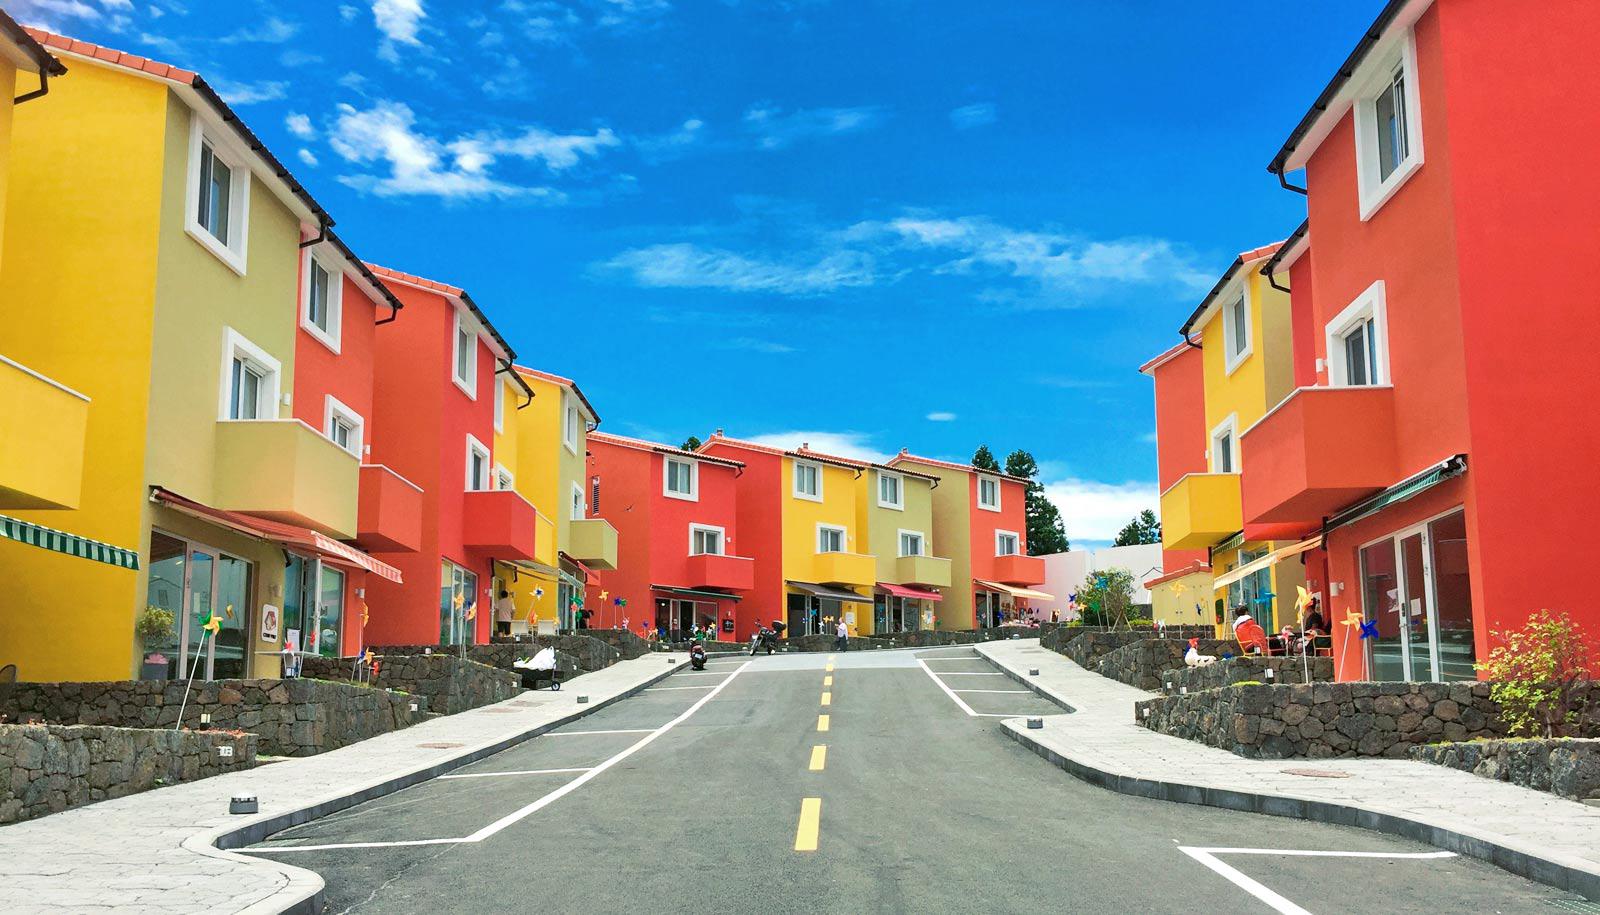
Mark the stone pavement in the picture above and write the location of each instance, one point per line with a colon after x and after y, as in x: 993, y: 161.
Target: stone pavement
x: 1530, y: 833
x: 157, y: 852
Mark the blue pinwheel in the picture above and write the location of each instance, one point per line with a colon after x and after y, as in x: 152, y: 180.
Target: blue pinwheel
x: 1369, y: 629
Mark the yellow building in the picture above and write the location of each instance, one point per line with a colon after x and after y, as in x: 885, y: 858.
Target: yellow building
x: 165, y: 293
x: 894, y: 512
x: 1243, y: 327
x: 1182, y: 597
x: 826, y: 556
x: 541, y: 448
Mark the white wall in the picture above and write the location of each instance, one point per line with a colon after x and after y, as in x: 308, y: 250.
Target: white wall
x: 1064, y: 572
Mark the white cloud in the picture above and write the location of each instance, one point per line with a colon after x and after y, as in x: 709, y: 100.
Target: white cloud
x: 386, y: 134
x: 308, y: 157
x: 857, y: 445
x: 299, y: 125
x: 272, y: 31
x: 976, y: 115
x: 756, y: 345
x: 399, y: 21
x: 687, y: 266
x: 775, y: 128
x: 1095, y: 511
x: 238, y: 94
x: 45, y: 12
x: 941, y: 416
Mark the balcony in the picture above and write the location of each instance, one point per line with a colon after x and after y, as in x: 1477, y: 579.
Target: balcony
x: 593, y: 542
x: 1199, y: 510
x: 928, y: 571
x: 846, y: 569
x: 285, y: 470
x: 724, y: 573
x: 41, y: 440
x: 1318, y: 451
x: 1018, y: 570
x: 389, y: 511
x: 499, y: 522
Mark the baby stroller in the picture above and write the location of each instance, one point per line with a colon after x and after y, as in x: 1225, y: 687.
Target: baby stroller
x: 541, y: 666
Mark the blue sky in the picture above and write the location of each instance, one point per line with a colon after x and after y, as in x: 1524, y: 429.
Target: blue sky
x: 865, y: 224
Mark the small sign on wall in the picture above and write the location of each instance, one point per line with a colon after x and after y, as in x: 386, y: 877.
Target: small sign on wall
x: 269, y: 623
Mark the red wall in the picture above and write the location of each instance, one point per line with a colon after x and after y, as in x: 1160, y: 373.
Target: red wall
x: 1180, y: 432
x: 760, y: 521
x: 625, y: 502
x: 1012, y: 516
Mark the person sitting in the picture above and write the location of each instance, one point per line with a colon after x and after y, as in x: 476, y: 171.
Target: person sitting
x: 1252, y: 638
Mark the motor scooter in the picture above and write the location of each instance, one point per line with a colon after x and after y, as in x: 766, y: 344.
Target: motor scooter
x: 697, y: 656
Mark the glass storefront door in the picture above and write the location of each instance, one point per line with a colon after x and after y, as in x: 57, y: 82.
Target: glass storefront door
x: 1417, y: 586
x: 192, y: 581
x: 458, y: 588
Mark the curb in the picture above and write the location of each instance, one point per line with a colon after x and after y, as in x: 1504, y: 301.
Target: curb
x: 1037, y: 688
x: 303, y: 894
x: 1538, y: 866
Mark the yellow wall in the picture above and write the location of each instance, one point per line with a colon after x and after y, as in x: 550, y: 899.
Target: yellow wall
x: 952, y: 537
x: 1286, y: 575
x: 1173, y: 602
x: 8, y: 77
x: 1265, y: 376
x: 800, y: 520
x: 881, y: 526
x: 545, y: 471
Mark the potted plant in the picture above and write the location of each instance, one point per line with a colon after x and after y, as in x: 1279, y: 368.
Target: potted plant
x: 152, y: 625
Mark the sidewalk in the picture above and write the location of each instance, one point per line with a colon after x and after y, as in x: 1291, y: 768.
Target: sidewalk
x: 1530, y: 833
x: 157, y: 852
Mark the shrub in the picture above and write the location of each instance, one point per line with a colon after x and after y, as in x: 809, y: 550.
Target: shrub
x: 153, y: 623
x: 1539, y: 674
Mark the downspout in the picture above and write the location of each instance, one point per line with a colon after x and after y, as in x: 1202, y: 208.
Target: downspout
x: 1284, y: 181
x: 322, y: 235
x: 507, y: 368
x: 1272, y: 278
x: 42, y: 91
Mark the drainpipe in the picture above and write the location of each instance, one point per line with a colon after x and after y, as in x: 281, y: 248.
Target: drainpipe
x: 1284, y: 181
x: 42, y: 91
x: 322, y: 235
x: 1272, y: 278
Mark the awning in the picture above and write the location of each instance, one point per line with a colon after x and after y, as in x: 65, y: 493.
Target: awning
x: 278, y: 532
x: 913, y: 593
x: 829, y: 592
x: 691, y: 592
x: 1232, y: 543
x: 1399, y: 492
x: 586, y: 573
x: 1272, y: 558
x: 48, y: 538
x: 1014, y: 592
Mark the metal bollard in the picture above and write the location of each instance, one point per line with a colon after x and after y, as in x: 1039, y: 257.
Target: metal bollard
x: 243, y: 804
x: 583, y: 700
x: 1035, y: 723
x: 1033, y: 671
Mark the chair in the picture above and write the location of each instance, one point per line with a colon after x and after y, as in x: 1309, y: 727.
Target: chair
x: 1322, y: 646
x: 8, y: 673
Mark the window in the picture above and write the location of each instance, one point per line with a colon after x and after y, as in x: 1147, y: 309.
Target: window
x: 1225, y: 446
x: 219, y: 197
x: 1358, y: 341
x: 323, y: 296
x: 503, y: 478
x: 1388, y: 120
x: 594, y: 497
x: 830, y: 539
x: 575, y: 506
x: 499, y: 406
x: 1005, y: 543
x: 1236, y: 331
x: 705, y: 540
x: 989, y: 493
x: 681, y: 479
x: 343, y: 425
x: 477, y: 465
x: 465, y: 370
x: 569, y: 425
x: 910, y: 543
x: 249, y: 380
x: 890, y: 490
x: 808, y: 481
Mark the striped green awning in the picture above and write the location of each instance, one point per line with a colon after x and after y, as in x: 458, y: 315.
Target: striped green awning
x: 1405, y: 489
x: 62, y: 542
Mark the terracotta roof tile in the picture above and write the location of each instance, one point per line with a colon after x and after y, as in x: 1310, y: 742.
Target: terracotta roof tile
x: 623, y: 441
x: 950, y: 465
x: 111, y: 55
x: 414, y: 280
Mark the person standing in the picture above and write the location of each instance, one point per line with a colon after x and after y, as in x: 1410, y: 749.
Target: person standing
x: 841, y: 639
x: 504, y: 609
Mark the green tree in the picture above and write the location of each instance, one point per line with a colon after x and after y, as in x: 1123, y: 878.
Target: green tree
x: 691, y: 444
x: 1105, y: 597
x: 1046, y: 533
x: 983, y: 459
x: 1144, y: 528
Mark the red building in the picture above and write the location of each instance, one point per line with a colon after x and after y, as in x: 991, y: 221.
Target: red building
x: 677, y: 520
x: 1179, y: 376
x: 1443, y: 328
x: 433, y: 424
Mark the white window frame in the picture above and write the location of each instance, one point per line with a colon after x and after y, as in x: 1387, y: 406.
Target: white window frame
x: 1230, y: 426
x: 982, y: 478
x: 693, y: 495
x: 499, y: 404
x: 1001, y: 535
x: 333, y: 336
x: 1231, y: 362
x: 504, y: 479
x: 922, y: 543
x: 795, y: 481
x: 899, y: 488
x: 234, y: 252
x: 571, y: 419
x: 1371, y: 303
x: 473, y: 445
x: 578, y: 504
x: 1372, y: 191
x: 722, y: 539
x: 236, y: 344
x: 844, y: 537
x: 336, y: 409
x: 468, y: 385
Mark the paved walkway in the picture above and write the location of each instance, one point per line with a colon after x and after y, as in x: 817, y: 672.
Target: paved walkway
x: 1531, y: 833
x: 153, y: 852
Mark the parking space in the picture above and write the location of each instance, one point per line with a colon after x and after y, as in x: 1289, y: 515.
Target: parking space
x: 979, y: 688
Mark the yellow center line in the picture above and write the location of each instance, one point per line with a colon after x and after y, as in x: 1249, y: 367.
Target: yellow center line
x: 805, y: 836
x: 827, y: 699
x: 828, y: 680
x: 829, y: 668
x: 822, y: 723
x: 819, y: 757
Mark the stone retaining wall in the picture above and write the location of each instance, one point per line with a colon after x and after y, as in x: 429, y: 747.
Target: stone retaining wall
x: 1232, y: 670
x: 591, y: 653
x: 1142, y: 662
x: 1569, y: 767
x: 293, y: 717
x: 1325, y: 719
x: 50, y: 768
x: 627, y: 643
x: 450, y: 684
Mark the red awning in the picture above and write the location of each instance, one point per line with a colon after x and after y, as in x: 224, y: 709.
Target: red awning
x: 278, y: 532
x: 915, y: 593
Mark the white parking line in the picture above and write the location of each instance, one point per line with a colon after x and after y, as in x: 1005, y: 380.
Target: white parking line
x: 663, y: 689
x: 587, y: 733
x: 979, y: 673
x: 513, y: 772
x: 994, y: 690
x: 947, y: 690
x: 530, y: 809
x: 1207, y: 856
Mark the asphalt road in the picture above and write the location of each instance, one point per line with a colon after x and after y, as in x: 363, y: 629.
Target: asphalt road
x: 917, y: 804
